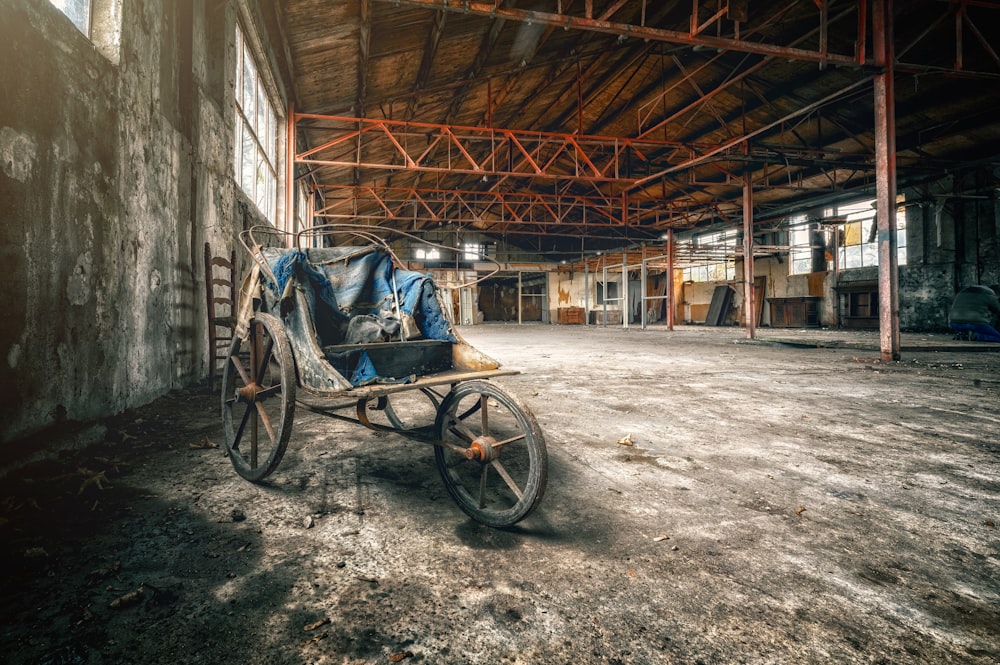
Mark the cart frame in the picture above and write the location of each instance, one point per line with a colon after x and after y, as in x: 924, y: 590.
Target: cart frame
x: 290, y: 351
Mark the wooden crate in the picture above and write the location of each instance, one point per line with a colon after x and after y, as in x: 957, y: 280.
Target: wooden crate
x: 570, y: 315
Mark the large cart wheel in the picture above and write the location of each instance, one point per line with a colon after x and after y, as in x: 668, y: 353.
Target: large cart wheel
x: 258, y: 398
x: 494, y: 462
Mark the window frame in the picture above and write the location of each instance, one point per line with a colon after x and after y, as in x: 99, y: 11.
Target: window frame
x: 800, y: 249
x: 860, y: 222
x: 256, y: 140
x: 713, y: 271
x: 473, y: 251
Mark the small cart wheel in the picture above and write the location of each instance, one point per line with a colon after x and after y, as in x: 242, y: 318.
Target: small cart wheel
x: 493, y: 461
x: 258, y: 398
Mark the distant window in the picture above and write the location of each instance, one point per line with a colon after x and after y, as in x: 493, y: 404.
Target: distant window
x: 800, y: 249
x: 98, y: 20
x: 426, y: 254
x: 713, y: 257
x: 256, y: 145
x: 858, y: 238
x: 473, y: 251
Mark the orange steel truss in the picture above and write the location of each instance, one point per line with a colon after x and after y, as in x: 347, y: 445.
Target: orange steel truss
x: 394, y: 145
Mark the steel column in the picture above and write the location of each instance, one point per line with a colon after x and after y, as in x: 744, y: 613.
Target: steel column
x: 642, y: 287
x: 290, y: 168
x: 624, y: 291
x: 885, y: 181
x: 670, y: 279
x: 749, y: 306
x: 520, y: 295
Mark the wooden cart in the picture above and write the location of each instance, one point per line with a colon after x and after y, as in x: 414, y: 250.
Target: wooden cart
x: 346, y: 331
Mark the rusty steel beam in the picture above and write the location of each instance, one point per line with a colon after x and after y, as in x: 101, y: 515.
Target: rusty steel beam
x: 730, y: 145
x: 422, y: 206
x: 645, y: 32
x: 412, y: 204
x: 628, y: 30
x: 885, y: 181
x: 481, y: 151
x: 670, y: 278
x: 733, y: 79
x: 290, y: 170
x: 749, y: 306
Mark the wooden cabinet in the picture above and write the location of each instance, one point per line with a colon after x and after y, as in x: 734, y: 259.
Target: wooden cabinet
x: 570, y: 315
x: 795, y: 312
x: 858, y: 305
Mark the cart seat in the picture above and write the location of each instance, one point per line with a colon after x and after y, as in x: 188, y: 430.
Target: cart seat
x: 346, y: 286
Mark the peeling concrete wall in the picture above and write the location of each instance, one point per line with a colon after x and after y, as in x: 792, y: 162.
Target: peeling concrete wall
x: 112, y: 177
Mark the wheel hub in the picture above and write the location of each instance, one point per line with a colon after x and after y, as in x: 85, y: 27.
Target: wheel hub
x: 248, y: 393
x: 483, y: 448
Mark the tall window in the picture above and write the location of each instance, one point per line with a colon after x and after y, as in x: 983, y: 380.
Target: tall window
x: 713, y: 257
x: 858, y: 240
x: 800, y: 258
x: 256, y: 145
x: 98, y: 20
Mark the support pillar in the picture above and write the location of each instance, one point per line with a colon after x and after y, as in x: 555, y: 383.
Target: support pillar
x: 642, y: 287
x: 749, y: 306
x: 520, y: 296
x: 885, y: 181
x: 626, y: 312
x: 290, y: 172
x: 670, y: 279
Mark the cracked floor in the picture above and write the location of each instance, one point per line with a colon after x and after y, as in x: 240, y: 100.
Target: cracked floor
x: 776, y: 505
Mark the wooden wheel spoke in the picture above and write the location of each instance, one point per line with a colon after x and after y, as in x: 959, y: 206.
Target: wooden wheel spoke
x: 239, y: 432
x: 264, y: 359
x: 499, y: 444
x: 266, y: 419
x: 482, y: 487
x: 268, y: 392
x: 506, y: 478
x: 462, y: 431
x: 238, y: 365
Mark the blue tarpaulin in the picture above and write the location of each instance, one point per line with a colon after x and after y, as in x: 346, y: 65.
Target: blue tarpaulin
x: 342, y: 283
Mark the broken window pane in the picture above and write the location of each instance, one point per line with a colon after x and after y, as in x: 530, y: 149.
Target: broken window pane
x: 78, y: 12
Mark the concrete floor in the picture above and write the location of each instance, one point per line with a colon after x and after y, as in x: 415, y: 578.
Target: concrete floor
x: 778, y: 504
